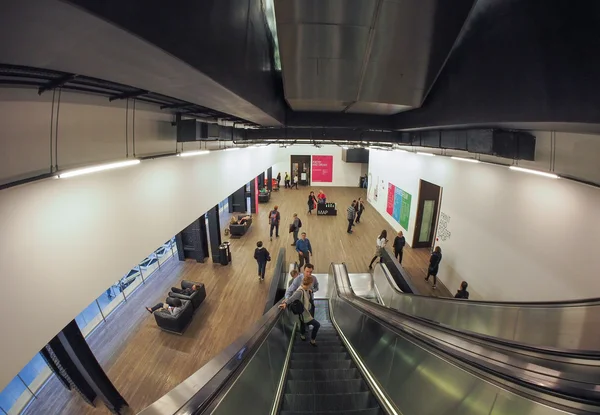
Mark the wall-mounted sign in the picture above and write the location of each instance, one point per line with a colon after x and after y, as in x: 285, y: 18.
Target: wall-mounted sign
x: 398, y: 205
x: 322, y: 169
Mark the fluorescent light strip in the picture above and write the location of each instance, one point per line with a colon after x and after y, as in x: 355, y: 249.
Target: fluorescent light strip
x: 425, y: 154
x: 193, y: 153
x: 537, y: 172
x: 232, y: 148
x: 94, y: 169
x: 465, y: 159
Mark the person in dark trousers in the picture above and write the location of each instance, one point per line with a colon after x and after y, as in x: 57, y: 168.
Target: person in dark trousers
x: 279, y: 180
x: 304, y: 250
x: 381, y: 242
x: 351, y: 215
x: 295, y: 228
x: 274, y: 218
x: 295, y: 182
x: 312, y: 202
x: 360, y: 207
x: 185, y: 291
x: 462, y: 292
x: 303, y: 294
x: 262, y: 256
x: 399, y: 242
x: 174, y: 308
x: 434, y: 265
x: 286, y: 180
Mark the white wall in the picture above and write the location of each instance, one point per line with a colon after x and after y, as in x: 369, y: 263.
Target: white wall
x: 57, y: 233
x: 344, y: 174
x: 514, y: 236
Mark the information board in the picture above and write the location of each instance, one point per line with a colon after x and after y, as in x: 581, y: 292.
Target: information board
x: 322, y: 169
x: 398, y: 205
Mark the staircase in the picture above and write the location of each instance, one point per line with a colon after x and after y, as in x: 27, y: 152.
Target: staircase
x: 324, y: 380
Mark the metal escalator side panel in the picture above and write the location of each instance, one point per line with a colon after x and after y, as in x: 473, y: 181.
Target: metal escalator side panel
x: 418, y: 380
x: 567, y: 325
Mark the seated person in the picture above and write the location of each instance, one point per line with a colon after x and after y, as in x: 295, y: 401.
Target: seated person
x: 185, y: 291
x: 241, y: 221
x: 174, y: 309
x: 321, y: 197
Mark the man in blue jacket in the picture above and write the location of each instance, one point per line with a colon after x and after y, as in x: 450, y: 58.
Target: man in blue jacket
x: 304, y: 250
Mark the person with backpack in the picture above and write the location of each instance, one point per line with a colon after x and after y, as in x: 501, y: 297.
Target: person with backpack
x: 262, y: 256
x: 295, y: 227
x: 381, y: 241
x: 434, y: 265
x: 274, y: 218
x: 300, y: 304
x: 304, y: 250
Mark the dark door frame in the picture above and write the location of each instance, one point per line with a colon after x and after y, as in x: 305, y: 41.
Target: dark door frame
x: 427, y: 192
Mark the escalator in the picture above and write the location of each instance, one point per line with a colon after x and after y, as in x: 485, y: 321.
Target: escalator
x: 324, y: 379
x: 368, y: 361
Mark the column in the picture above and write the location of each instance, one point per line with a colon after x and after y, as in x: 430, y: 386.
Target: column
x: 254, y: 194
x: 237, y: 201
x: 261, y: 180
x: 214, y: 232
x: 194, y: 241
x: 270, y: 179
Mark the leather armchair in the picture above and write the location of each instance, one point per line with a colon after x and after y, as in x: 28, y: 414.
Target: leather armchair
x: 197, y: 296
x: 240, y: 230
x: 175, y: 324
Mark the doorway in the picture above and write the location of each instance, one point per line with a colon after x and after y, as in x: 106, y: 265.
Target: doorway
x: 300, y: 165
x: 430, y: 196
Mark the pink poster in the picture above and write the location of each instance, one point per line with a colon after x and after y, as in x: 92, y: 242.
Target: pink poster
x: 322, y: 169
x: 390, y: 199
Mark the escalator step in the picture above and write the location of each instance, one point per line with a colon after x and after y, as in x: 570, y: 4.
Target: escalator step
x: 321, y: 349
x: 305, y: 345
x: 319, y: 364
x: 319, y: 356
x: 325, y: 388
x: 370, y: 411
x: 323, y: 374
x: 337, y: 402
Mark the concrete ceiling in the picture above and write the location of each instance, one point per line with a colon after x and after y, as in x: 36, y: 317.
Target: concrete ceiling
x: 364, y: 56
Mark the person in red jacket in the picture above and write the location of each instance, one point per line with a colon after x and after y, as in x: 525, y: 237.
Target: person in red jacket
x: 321, y: 197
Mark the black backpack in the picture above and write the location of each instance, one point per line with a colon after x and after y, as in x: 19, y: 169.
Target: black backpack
x: 299, y: 223
x: 297, y: 307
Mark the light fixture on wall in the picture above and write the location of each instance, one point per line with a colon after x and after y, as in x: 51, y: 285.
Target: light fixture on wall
x: 193, y: 153
x: 425, y: 154
x: 465, y: 159
x: 94, y: 169
x: 536, y: 172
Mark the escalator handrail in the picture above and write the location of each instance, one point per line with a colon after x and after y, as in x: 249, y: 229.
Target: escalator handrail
x: 526, y: 379
x: 276, y: 280
x: 538, y: 349
x: 197, y: 392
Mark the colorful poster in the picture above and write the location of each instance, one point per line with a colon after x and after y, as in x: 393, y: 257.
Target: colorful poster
x: 390, y: 200
x: 322, y: 169
x: 398, y: 205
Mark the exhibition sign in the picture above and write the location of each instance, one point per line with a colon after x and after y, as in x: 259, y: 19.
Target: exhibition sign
x: 398, y: 205
x: 322, y: 169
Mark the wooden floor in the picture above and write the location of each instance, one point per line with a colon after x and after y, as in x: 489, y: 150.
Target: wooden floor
x: 144, y: 362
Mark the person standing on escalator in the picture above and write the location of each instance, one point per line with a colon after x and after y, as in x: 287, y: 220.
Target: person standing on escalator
x: 434, y: 265
x: 304, y: 294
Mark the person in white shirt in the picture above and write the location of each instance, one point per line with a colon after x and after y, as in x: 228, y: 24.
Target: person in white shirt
x: 295, y: 183
x: 381, y: 241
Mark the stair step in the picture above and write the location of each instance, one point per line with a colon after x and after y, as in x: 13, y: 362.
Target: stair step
x: 325, y: 388
x: 321, y: 349
x: 319, y: 356
x: 320, y: 364
x: 338, y: 402
x: 323, y: 374
x: 370, y: 411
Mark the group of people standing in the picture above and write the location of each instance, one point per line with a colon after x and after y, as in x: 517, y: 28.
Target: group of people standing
x: 354, y: 212
x: 288, y: 182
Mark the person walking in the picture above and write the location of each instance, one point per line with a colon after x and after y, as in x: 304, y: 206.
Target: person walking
x: 286, y: 181
x: 462, y: 291
x: 295, y: 227
x: 351, y: 215
x: 434, y: 265
x: 274, y: 218
x: 278, y: 180
x: 399, y: 242
x: 312, y: 202
x: 381, y: 242
x: 304, y: 250
x: 360, y: 207
x: 262, y: 256
x: 295, y: 181
x: 303, y: 295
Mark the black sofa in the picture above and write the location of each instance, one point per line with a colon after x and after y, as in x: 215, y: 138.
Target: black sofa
x: 240, y: 230
x: 264, y: 197
x: 197, y: 296
x: 175, y: 324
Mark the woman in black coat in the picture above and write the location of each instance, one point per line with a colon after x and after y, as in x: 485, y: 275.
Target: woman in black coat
x: 434, y: 265
x: 312, y: 202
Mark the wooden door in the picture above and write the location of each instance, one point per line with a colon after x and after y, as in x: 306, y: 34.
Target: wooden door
x: 430, y: 196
